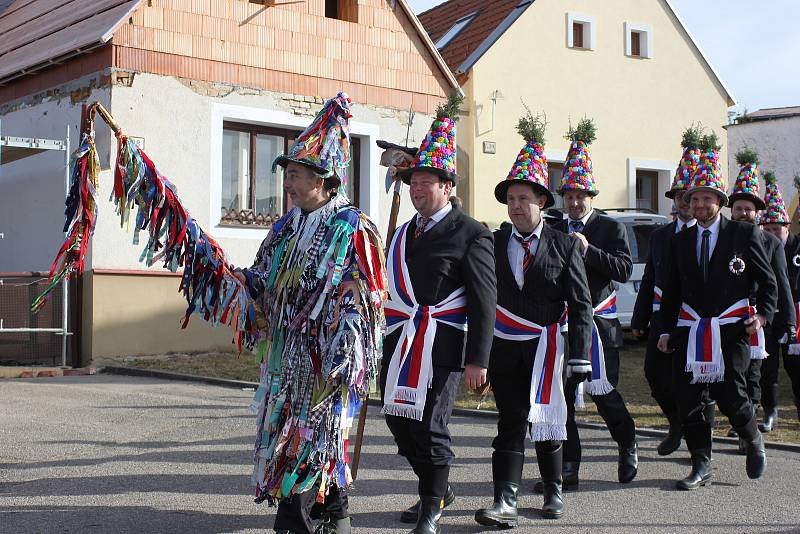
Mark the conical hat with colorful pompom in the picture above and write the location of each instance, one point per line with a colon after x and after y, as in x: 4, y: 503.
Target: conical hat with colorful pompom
x: 689, y: 160
x: 775, y: 210
x: 437, y: 153
x: 530, y: 167
x: 746, y: 185
x: 577, y: 173
x: 709, y: 172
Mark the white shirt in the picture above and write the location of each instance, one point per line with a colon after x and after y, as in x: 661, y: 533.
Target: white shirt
x: 516, y: 253
x: 680, y: 225
x: 436, y: 217
x: 712, y: 239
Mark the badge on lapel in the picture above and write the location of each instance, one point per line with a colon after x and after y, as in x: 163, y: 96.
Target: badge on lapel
x: 796, y: 260
x: 736, y: 265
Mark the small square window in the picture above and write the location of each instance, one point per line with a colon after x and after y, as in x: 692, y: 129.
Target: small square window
x: 580, y: 31
x: 342, y: 9
x: 638, y: 40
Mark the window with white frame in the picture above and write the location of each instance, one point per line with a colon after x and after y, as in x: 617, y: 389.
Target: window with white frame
x: 580, y: 31
x: 252, y: 193
x: 638, y: 40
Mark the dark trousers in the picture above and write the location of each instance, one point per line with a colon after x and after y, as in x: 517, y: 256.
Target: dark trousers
x: 658, y: 371
x: 731, y: 393
x: 610, y: 406
x: 427, y: 442
x: 296, y: 513
x: 754, y: 381
x: 510, y: 376
x: 770, y: 369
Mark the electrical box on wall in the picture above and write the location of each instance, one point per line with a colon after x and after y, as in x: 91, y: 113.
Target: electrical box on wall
x: 489, y: 147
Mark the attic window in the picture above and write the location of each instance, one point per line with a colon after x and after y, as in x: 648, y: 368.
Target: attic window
x: 451, y: 34
x: 580, y: 31
x: 346, y: 10
x: 638, y: 40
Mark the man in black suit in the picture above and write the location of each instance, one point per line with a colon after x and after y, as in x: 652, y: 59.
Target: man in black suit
x: 538, y: 270
x: 442, y: 276
x: 744, y: 207
x: 715, y: 266
x: 776, y: 222
x: 607, y: 258
x: 647, y: 315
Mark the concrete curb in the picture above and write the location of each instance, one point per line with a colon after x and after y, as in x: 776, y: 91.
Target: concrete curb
x: 467, y: 412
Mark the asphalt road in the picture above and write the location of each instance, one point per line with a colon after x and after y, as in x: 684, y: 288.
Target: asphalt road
x: 123, y: 454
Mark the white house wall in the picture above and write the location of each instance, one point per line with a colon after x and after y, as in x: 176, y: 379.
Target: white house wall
x: 778, y: 145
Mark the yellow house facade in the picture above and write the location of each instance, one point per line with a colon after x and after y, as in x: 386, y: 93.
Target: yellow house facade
x: 631, y: 65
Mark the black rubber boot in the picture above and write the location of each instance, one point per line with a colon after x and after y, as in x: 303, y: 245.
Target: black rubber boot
x: 756, y: 462
x: 672, y: 441
x: 550, y: 459
x: 411, y: 514
x: 430, y: 511
x: 569, y: 478
x: 770, y: 418
x: 506, y: 475
x: 701, y: 470
x: 330, y: 525
x: 627, y: 463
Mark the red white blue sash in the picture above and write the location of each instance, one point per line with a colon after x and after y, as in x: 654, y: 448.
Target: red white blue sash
x: 411, y: 367
x: 794, y: 344
x: 657, y: 294
x: 599, y: 383
x: 758, y: 345
x: 704, y: 350
x: 547, y: 417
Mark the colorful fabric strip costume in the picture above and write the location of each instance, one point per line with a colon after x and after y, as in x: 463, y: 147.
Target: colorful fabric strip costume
x: 411, y: 367
x: 657, y: 297
x: 320, y: 281
x: 548, y: 412
x: 704, y: 350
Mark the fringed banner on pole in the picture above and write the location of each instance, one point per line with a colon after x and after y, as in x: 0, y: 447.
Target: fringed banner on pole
x: 210, y: 288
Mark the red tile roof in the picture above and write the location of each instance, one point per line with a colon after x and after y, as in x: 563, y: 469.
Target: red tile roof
x: 491, y: 14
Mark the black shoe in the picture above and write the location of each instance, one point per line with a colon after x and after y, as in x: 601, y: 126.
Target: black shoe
x: 701, y: 471
x: 334, y: 526
x: 756, y: 457
x: 569, y: 478
x: 503, y: 513
x: 732, y: 433
x: 742, y: 446
x: 430, y: 510
x: 551, y: 467
x: 770, y: 418
x: 628, y: 464
x: 411, y: 514
x: 671, y: 442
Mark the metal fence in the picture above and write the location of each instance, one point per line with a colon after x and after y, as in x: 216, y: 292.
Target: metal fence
x: 28, y: 338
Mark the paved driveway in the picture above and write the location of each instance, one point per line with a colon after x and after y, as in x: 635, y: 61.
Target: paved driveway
x: 122, y: 454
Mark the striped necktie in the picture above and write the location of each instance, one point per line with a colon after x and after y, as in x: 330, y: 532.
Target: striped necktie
x: 525, y: 243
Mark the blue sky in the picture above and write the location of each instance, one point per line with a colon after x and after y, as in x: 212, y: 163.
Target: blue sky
x: 754, y: 46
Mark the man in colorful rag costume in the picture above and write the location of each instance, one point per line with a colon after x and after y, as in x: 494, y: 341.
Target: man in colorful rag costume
x: 539, y: 270
x: 441, y: 276
x: 745, y: 205
x: 319, y: 279
x: 604, y: 247
x: 775, y: 220
x: 707, y: 315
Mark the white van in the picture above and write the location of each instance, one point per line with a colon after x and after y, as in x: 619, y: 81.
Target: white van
x: 639, y: 225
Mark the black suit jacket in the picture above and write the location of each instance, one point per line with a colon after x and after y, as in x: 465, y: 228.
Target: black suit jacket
x: 557, y: 275
x: 685, y: 280
x: 655, y: 271
x: 457, y: 251
x: 607, y: 260
x: 792, y: 251
x: 785, y: 315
